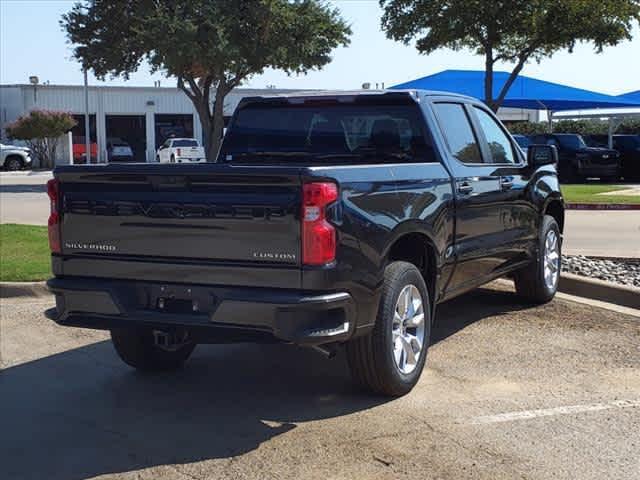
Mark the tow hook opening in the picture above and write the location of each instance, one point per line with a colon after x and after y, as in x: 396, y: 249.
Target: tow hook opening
x: 170, y: 341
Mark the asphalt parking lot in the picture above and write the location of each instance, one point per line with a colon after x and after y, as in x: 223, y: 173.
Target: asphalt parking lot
x: 509, y: 392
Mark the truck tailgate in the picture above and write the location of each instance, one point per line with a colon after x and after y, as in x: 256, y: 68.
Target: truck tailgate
x: 208, y: 213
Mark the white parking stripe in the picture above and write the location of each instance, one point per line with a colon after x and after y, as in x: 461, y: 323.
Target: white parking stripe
x: 547, y: 412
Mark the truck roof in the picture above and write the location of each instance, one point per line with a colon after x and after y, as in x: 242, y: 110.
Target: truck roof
x: 351, y: 93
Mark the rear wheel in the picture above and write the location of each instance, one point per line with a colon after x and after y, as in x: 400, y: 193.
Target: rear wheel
x: 141, y: 349
x: 390, y: 359
x: 13, y: 164
x: 538, y: 282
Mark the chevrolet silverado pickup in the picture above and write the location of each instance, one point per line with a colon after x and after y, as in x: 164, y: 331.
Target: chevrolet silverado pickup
x: 337, y: 220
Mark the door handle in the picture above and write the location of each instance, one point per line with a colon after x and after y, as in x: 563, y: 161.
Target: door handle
x: 506, y: 183
x: 465, y: 188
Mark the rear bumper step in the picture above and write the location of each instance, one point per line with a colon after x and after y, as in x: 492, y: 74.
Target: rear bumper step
x: 283, y: 315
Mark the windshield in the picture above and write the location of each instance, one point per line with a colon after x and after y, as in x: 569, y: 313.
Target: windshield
x: 572, y: 141
x: 317, y: 133
x: 185, y: 143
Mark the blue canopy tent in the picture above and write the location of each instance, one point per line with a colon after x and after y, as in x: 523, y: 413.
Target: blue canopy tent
x: 526, y: 92
x: 633, y: 96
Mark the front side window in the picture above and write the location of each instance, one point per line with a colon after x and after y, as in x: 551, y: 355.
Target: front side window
x: 499, y: 145
x: 457, y: 130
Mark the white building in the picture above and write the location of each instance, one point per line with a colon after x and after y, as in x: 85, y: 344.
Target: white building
x: 141, y: 116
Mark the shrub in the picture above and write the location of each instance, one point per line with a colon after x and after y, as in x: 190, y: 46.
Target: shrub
x: 41, y: 129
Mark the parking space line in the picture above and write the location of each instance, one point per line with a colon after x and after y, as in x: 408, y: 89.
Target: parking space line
x: 547, y: 412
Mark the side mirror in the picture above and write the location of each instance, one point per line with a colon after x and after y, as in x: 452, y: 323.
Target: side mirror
x: 539, y: 155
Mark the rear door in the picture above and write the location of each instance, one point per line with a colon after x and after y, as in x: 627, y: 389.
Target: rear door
x: 479, y: 226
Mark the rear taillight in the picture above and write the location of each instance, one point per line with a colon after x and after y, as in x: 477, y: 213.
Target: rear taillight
x: 318, y: 235
x: 53, y: 190
x: 179, y: 154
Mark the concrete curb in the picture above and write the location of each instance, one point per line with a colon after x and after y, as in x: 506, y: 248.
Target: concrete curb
x: 601, y: 206
x: 600, y: 290
x: 23, y: 289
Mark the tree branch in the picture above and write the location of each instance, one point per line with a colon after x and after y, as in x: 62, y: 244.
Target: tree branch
x: 182, y: 87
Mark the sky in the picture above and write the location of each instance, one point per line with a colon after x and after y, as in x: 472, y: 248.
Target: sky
x: 32, y: 43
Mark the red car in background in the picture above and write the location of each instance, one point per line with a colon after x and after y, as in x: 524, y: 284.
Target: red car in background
x: 80, y: 151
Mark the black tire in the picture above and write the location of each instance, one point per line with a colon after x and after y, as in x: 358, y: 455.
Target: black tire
x: 13, y: 164
x: 158, y: 158
x: 371, y: 357
x: 136, y: 348
x: 173, y: 159
x: 530, y: 281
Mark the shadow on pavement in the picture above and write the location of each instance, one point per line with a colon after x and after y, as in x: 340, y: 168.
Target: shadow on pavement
x: 454, y: 315
x: 83, y: 413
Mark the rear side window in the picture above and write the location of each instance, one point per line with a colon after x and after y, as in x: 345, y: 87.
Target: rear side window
x: 499, y: 144
x: 327, y: 132
x: 457, y: 131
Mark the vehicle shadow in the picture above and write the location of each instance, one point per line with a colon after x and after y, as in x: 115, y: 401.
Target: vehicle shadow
x: 456, y: 314
x: 82, y: 413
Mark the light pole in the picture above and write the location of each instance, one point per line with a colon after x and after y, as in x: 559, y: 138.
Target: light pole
x: 87, y: 129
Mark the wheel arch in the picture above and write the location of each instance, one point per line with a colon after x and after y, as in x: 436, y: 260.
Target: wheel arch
x: 554, y: 207
x: 16, y: 156
x: 418, y: 249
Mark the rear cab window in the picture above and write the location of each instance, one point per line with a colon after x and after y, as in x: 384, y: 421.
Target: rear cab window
x: 328, y: 131
x: 185, y: 143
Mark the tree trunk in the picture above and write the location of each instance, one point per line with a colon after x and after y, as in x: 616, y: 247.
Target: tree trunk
x: 212, y: 122
x: 512, y: 78
x: 488, y: 80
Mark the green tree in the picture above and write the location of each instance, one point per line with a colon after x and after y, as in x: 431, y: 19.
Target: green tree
x: 210, y: 46
x: 41, y: 129
x: 511, y: 31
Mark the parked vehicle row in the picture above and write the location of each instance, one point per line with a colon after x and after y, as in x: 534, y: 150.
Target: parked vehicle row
x: 333, y: 219
x: 629, y: 148
x: 582, y: 157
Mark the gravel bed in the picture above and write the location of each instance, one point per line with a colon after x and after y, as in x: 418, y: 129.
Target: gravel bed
x: 623, y: 271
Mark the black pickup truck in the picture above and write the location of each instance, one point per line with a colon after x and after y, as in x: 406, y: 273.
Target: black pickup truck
x: 328, y: 220
x: 577, y: 161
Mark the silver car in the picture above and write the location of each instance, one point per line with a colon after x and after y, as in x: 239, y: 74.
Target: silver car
x: 14, y: 158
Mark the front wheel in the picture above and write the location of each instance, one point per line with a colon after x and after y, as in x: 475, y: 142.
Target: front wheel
x: 13, y: 164
x: 538, y: 282
x: 390, y: 359
x: 140, y: 349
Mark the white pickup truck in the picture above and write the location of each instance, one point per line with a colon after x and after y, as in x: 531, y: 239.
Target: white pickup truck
x: 181, y: 150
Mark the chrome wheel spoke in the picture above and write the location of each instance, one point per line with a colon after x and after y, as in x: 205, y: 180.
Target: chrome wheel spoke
x: 551, y: 259
x: 408, y: 329
x: 415, y: 320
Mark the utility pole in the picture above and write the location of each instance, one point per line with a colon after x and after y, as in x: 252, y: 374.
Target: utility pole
x: 87, y: 129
